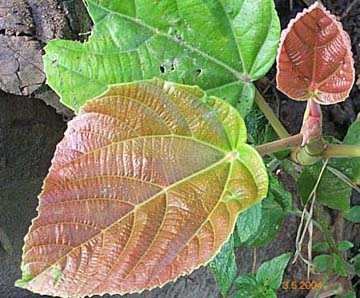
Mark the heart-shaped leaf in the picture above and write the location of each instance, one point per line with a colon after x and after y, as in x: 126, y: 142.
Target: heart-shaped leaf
x: 315, y: 59
x: 221, y: 46
x: 145, y: 187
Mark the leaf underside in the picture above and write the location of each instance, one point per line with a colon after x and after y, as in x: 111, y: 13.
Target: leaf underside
x: 221, y: 46
x: 315, y: 59
x: 145, y: 187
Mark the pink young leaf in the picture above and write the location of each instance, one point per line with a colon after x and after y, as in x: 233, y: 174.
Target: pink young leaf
x: 315, y: 60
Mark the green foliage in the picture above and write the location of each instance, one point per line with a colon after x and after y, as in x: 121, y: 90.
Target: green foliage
x: 356, y: 263
x: 224, y: 267
x: 221, y: 46
x: 353, y: 214
x: 248, y: 223
x: 270, y: 273
x: 248, y: 287
x: 266, y: 281
x: 344, y: 245
x: 320, y: 247
x: 258, y: 227
x: 323, y: 263
x: 350, y: 294
x: 332, y: 192
x: 259, y: 129
x: 331, y: 264
x: 350, y: 166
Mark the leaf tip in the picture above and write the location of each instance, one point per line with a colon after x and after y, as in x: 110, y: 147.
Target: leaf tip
x: 25, y: 278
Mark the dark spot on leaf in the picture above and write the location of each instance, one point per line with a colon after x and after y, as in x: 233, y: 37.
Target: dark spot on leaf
x: 198, y: 72
x: 162, y: 69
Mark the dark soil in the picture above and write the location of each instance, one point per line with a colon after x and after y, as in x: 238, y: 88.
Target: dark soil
x: 30, y: 130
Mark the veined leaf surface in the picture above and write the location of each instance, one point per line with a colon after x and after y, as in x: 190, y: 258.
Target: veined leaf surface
x: 219, y: 45
x: 315, y: 59
x: 145, y: 187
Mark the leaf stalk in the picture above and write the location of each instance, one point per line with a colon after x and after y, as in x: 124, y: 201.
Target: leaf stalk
x: 270, y: 116
x: 279, y: 145
x: 341, y: 151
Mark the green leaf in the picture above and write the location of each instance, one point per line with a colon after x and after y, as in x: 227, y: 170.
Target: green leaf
x: 245, y: 279
x: 323, y: 263
x: 248, y: 287
x: 224, y: 267
x: 274, y: 210
x: 271, y: 272
x: 248, y: 223
x: 332, y: 192
x: 350, y: 166
x: 321, y: 247
x: 357, y: 264
x: 221, y: 46
x: 330, y: 264
x: 259, y: 129
x: 344, y: 245
x: 350, y: 294
x: 256, y: 29
x: 353, y: 214
x: 340, y: 267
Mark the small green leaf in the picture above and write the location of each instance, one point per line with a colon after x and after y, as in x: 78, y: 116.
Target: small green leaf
x: 248, y: 223
x: 323, y: 263
x: 249, y: 291
x: 26, y: 277
x: 247, y: 95
x: 340, y: 267
x: 353, y: 214
x: 357, y: 264
x: 259, y: 129
x: 350, y: 166
x: 350, y: 294
x: 224, y: 267
x: 248, y: 287
x: 274, y: 210
x: 344, y: 245
x: 330, y: 264
x: 271, y: 272
x: 332, y: 192
x: 321, y: 247
x: 245, y: 279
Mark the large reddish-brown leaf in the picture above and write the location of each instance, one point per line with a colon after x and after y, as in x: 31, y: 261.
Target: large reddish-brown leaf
x: 315, y: 60
x: 145, y: 187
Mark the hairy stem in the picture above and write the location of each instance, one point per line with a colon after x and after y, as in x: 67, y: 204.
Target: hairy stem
x: 279, y: 145
x: 337, y: 151
x: 270, y: 116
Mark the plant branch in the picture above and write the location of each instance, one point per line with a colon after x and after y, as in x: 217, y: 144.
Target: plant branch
x: 279, y: 145
x: 344, y: 151
x: 270, y: 116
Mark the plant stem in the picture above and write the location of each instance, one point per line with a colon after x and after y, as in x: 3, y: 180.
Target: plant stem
x: 338, y: 151
x: 270, y: 116
x: 279, y: 145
